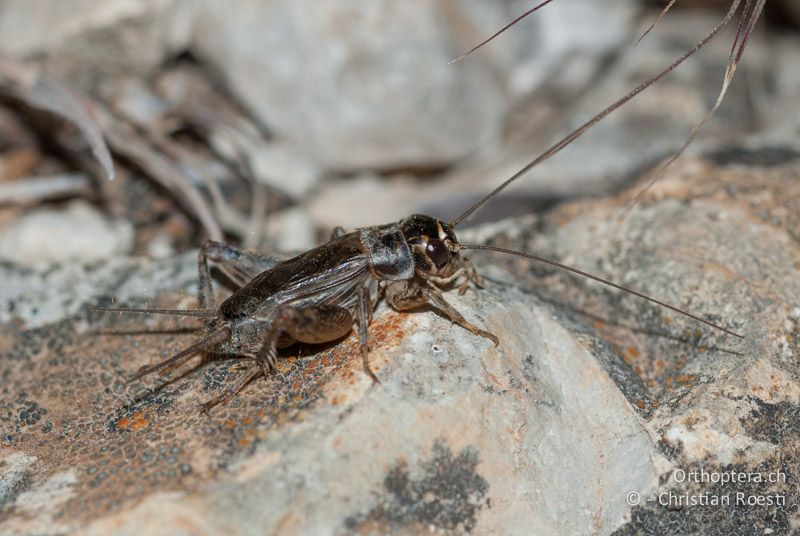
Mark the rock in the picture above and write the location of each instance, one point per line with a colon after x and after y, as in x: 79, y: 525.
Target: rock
x: 369, y: 85
x: 79, y: 232
x: 476, y: 441
x: 719, y: 238
x: 365, y: 200
x: 286, y: 168
x: 590, y: 396
x: 291, y: 230
x: 86, y: 40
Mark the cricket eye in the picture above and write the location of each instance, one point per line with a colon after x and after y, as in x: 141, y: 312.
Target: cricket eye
x: 438, y: 252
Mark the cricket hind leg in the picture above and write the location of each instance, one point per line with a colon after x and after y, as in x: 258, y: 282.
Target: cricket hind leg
x: 238, y: 264
x: 212, y: 340
x: 314, y: 325
x: 411, y: 297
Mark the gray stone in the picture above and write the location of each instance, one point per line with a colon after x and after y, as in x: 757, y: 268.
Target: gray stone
x: 590, y: 396
x: 369, y: 85
x: 79, y: 232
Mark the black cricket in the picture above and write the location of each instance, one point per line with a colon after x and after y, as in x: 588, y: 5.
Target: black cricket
x: 320, y: 295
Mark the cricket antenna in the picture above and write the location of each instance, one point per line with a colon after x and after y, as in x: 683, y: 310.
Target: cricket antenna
x: 601, y: 280
x: 577, y: 133
x: 498, y: 32
x: 198, y: 313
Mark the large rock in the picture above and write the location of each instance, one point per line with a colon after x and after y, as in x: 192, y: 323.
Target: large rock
x: 368, y: 85
x: 77, y: 233
x: 592, y: 396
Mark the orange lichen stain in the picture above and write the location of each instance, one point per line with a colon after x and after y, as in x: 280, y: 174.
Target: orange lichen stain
x: 139, y: 423
x: 598, y: 324
x: 135, y: 422
x: 229, y: 424
x: 686, y: 378
x: 243, y: 442
x: 632, y: 352
x: 654, y: 403
x: 640, y: 404
x: 247, y: 420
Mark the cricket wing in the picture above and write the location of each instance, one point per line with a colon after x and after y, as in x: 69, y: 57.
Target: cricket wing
x: 330, y: 273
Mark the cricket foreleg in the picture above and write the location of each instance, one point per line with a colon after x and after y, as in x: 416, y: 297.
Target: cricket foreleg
x: 364, y: 320
x: 239, y: 265
x: 413, y: 297
x: 313, y: 325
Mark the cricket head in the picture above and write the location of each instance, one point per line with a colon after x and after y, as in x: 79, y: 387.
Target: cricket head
x: 433, y: 244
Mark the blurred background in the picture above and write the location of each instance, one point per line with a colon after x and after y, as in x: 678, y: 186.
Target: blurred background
x: 267, y: 123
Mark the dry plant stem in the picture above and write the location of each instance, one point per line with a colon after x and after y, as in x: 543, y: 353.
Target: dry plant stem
x: 237, y: 137
x: 656, y: 21
x: 501, y: 30
x: 125, y: 142
x: 599, y: 117
x: 743, y: 31
x: 42, y: 92
x: 32, y: 190
x: 248, y: 229
x: 258, y: 208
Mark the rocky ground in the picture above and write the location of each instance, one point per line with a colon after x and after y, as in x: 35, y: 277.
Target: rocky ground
x: 591, y: 415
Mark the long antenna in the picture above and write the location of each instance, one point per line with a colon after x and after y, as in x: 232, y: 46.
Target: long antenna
x: 601, y: 280
x: 501, y: 30
x: 577, y: 133
x: 198, y: 313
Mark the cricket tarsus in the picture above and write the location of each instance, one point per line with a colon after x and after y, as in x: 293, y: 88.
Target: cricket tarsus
x: 603, y: 281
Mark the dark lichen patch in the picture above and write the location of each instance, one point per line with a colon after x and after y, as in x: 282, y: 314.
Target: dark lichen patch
x: 444, y: 491
x: 740, y: 515
x: 764, y: 157
x: 773, y: 423
x: 68, y: 404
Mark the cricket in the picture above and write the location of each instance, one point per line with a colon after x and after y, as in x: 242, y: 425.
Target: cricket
x: 322, y: 294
